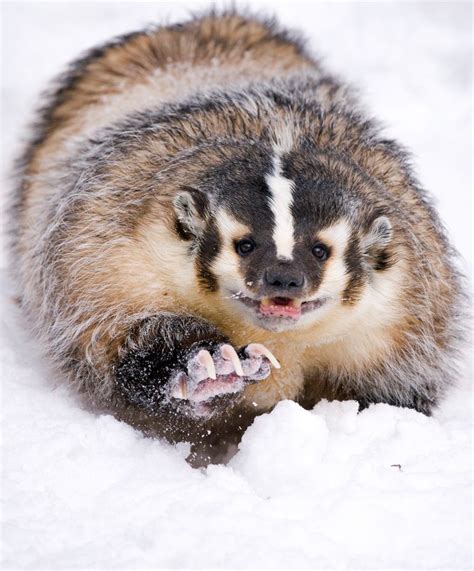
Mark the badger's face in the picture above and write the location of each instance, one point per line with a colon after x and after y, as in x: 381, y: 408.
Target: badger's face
x: 284, y: 238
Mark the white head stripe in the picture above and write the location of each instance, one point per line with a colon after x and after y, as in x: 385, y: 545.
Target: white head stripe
x: 280, y: 203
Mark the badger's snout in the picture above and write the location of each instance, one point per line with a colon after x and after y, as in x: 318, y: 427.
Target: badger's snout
x: 283, y: 279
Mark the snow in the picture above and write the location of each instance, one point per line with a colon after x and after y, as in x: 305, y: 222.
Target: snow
x: 328, y: 488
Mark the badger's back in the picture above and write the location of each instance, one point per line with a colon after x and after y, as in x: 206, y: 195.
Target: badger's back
x: 146, y: 69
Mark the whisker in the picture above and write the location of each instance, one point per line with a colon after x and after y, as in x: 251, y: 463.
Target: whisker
x: 236, y: 295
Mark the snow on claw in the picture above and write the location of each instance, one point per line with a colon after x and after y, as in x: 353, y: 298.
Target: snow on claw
x: 222, y: 371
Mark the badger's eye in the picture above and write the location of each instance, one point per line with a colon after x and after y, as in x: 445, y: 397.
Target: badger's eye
x: 320, y: 251
x: 245, y: 246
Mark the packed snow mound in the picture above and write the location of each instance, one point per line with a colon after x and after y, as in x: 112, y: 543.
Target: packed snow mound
x: 373, y: 489
x: 281, y: 449
x: 331, y: 487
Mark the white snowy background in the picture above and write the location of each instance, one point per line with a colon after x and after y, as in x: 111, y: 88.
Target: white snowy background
x: 317, y: 489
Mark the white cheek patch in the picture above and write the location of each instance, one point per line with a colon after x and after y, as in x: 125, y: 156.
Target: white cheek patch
x: 335, y: 276
x: 280, y: 203
x: 380, y: 301
x: 229, y: 227
x: 226, y: 264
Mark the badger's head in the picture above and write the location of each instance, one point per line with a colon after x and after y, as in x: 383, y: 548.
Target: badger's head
x: 285, y: 238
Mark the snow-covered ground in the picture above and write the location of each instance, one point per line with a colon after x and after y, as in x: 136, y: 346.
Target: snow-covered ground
x: 330, y: 488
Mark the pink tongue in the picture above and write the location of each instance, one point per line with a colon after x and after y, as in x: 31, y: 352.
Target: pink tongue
x: 279, y: 310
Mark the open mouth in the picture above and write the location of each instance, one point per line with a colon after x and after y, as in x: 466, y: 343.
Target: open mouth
x: 281, y: 307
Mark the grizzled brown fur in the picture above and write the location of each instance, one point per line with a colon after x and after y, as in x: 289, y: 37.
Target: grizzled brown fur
x: 102, y: 259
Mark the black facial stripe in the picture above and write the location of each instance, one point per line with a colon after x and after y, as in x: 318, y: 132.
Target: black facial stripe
x: 315, y: 270
x: 383, y: 261
x: 352, y: 260
x: 326, y: 189
x: 238, y: 186
x: 208, y: 249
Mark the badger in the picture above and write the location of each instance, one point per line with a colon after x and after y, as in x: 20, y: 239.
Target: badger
x: 206, y: 223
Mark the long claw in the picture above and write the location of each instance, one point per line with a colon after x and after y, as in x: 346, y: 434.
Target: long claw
x: 181, y: 389
x: 184, y: 387
x: 229, y: 353
x: 177, y: 394
x: 259, y: 349
x: 205, y: 359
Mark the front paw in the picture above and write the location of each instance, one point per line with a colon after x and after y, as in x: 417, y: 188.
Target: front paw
x: 217, y: 375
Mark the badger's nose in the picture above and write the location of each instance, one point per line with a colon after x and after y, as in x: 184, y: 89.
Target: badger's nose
x: 284, y: 279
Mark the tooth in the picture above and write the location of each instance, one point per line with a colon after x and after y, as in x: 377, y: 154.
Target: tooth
x: 266, y: 301
x: 259, y: 349
x: 205, y: 359
x: 229, y: 353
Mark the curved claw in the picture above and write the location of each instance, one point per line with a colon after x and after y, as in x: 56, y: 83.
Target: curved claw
x: 181, y: 388
x: 229, y: 353
x: 257, y: 349
x: 205, y: 359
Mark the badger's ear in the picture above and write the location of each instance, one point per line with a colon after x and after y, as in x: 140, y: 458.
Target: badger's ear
x: 376, y: 240
x: 192, y: 208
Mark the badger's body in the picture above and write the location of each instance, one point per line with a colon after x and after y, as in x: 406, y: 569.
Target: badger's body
x: 206, y: 186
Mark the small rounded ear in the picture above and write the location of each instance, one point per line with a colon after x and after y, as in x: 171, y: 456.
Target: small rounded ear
x: 377, y: 238
x: 380, y: 233
x: 191, y: 208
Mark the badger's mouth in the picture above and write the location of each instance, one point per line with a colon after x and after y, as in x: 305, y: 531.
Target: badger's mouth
x: 281, y: 307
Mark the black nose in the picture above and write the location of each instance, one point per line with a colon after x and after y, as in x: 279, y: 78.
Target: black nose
x: 287, y: 279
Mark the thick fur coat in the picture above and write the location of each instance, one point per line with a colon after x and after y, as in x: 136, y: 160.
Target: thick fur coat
x: 156, y: 160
